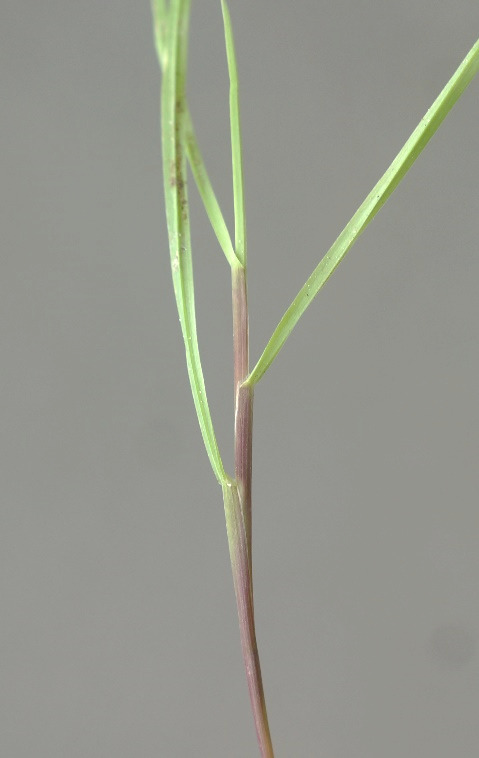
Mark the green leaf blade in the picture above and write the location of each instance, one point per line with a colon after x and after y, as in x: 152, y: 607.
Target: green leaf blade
x: 371, y: 205
x: 236, y: 145
x: 207, y: 193
x: 160, y: 29
x: 160, y: 26
x: 176, y: 201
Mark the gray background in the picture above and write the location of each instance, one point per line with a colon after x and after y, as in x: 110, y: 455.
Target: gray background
x: 118, y: 631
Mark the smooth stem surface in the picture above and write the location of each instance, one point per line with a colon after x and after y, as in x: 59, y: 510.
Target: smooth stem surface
x: 237, y: 499
x: 243, y: 398
x: 242, y: 580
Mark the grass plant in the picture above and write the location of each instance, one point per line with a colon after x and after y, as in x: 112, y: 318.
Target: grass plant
x: 180, y: 148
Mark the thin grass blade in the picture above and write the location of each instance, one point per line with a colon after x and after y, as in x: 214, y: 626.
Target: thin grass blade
x: 176, y: 201
x: 160, y: 20
x: 207, y: 194
x: 366, y: 212
x: 236, y: 147
x: 193, y: 153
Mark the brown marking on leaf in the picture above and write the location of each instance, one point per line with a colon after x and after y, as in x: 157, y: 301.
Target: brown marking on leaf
x: 172, y: 174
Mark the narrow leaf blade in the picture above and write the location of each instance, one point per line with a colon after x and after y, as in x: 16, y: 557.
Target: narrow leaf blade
x: 195, y: 159
x: 176, y: 202
x: 371, y: 205
x: 207, y: 193
x: 160, y: 31
x: 236, y: 146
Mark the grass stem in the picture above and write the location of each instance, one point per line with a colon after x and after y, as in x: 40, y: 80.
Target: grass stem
x: 238, y: 510
x: 243, y: 585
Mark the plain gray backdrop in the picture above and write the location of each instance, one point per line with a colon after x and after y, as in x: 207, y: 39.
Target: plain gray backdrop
x: 118, y: 624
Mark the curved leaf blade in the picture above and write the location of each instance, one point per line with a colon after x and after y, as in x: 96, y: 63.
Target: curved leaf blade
x: 176, y: 200
x: 160, y: 27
